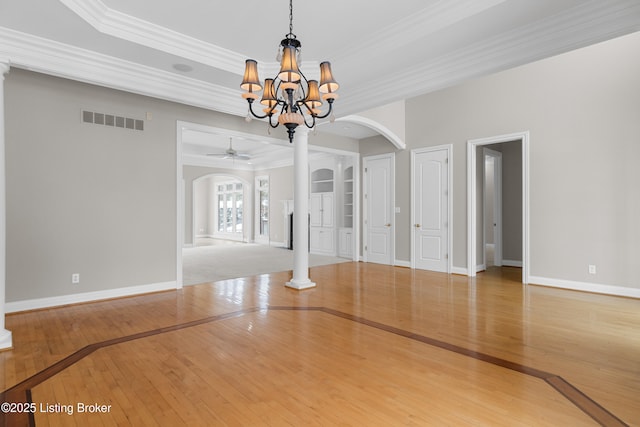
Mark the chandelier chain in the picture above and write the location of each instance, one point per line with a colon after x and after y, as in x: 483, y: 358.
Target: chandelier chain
x: 290, y: 17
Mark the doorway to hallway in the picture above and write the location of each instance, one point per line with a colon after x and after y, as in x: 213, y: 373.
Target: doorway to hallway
x: 513, y: 216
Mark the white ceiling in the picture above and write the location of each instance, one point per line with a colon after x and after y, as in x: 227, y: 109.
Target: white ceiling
x: 380, y: 51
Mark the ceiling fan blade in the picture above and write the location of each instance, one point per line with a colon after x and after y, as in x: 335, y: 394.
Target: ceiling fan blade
x: 243, y: 156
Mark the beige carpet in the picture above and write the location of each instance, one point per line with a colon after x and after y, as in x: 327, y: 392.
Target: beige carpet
x: 204, y: 264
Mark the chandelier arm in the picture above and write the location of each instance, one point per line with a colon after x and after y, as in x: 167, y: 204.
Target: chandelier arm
x: 270, y: 123
x: 253, y: 112
x: 330, y: 101
x: 313, y: 121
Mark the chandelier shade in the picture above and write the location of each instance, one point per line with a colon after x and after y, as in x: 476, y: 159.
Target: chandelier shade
x: 250, y: 81
x: 289, y: 72
x: 313, y: 96
x: 290, y: 99
x: 328, y: 84
x: 268, y: 96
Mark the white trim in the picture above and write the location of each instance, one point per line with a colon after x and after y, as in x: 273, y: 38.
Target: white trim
x: 597, y: 288
x: 402, y: 263
x: 376, y: 126
x: 571, y: 29
x: 180, y: 207
x: 574, y: 28
x: 481, y: 267
x: 449, y: 148
x: 259, y: 238
x: 34, y: 304
x: 70, y: 62
x: 127, y: 27
x: 523, y: 137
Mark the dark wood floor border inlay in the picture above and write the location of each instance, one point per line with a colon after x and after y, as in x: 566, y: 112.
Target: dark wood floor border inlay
x: 21, y: 392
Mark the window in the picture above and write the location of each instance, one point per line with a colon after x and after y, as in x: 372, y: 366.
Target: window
x: 230, y: 207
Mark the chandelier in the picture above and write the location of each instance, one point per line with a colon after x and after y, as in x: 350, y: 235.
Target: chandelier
x: 290, y: 97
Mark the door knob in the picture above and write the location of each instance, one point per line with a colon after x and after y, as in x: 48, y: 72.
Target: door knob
x: 387, y: 225
x: 417, y: 225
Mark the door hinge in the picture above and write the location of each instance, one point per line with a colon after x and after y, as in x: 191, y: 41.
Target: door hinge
x: 366, y: 169
x: 365, y: 248
x: 446, y: 256
x: 366, y: 196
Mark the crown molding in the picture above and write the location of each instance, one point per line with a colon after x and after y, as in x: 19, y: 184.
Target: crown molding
x: 62, y: 60
x: 5, y: 66
x: 418, y: 26
x: 117, y: 24
x: 202, y: 161
x: 573, y: 29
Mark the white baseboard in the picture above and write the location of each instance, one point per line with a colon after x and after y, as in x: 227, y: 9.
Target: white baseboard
x: 6, y: 340
x: 401, y: 263
x: 621, y: 291
x: 34, y: 304
x: 511, y: 263
x: 481, y: 267
x: 459, y: 270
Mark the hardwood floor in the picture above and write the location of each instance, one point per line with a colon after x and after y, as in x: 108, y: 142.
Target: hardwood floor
x: 370, y: 345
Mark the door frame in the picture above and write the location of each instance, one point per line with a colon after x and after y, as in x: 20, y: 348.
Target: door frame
x: 413, y: 187
x: 365, y: 204
x: 497, y: 205
x: 257, y: 237
x: 472, y: 144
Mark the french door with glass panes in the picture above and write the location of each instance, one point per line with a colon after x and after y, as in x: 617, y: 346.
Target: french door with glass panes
x: 229, y: 218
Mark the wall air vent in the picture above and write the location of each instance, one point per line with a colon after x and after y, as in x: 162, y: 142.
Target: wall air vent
x: 112, y: 120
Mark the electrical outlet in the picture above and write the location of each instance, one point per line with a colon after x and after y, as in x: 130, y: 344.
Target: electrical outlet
x: 592, y: 269
x: 75, y: 278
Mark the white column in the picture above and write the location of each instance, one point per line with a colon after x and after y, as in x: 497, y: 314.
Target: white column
x: 300, y: 279
x: 5, y: 336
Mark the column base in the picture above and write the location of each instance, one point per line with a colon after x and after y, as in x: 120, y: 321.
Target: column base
x: 300, y: 284
x: 6, y: 341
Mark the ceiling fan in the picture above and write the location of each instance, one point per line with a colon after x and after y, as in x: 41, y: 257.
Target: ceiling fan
x: 231, y: 153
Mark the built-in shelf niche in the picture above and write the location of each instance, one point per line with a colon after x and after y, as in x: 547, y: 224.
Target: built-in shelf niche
x: 322, y: 181
x: 348, y: 197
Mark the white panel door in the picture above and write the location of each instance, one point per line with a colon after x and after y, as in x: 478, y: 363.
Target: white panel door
x: 378, y: 201
x: 327, y: 210
x: 431, y: 187
x: 315, y: 210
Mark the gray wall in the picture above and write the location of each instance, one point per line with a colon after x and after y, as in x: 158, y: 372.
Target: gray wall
x: 582, y: 110
x: 512, y: 201
x: 83, y: 198
x: 95, y: 200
